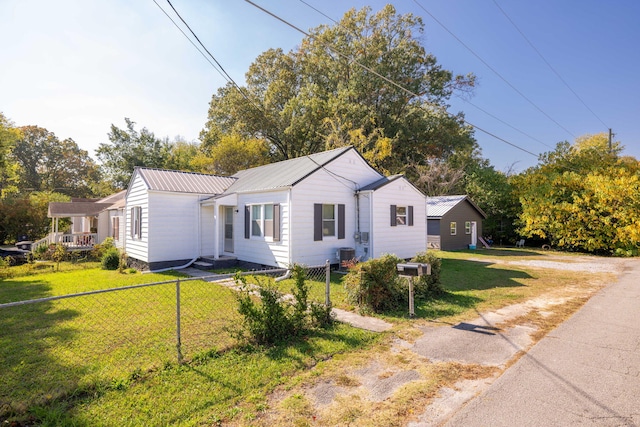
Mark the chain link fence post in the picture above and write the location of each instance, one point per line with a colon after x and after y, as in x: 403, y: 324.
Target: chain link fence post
x: 327, y: 273
x: 178, y: 338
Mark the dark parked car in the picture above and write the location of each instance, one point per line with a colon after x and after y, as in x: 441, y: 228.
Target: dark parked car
x: 18, y: 256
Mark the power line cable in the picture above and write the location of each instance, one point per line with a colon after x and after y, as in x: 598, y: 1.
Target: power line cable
x: 190, y: 41
x: 220, y: 70
x: 547, y: 62
x: 494, y: 70
x: 386, y: 79
x: 502, y: 121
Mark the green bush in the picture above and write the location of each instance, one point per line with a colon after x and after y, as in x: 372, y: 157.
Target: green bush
x: 110, y: 259
x: 272, y: 319
x: 374, y: 285
x: 98, y: 251
x: 427, y: 286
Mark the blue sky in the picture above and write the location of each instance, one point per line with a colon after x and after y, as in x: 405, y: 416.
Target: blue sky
x: 77, y: 66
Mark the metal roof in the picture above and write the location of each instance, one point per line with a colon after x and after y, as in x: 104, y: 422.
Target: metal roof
x: 381, y: 182
x: 73, y: 209
x: 283, y: 174
x: 438, y: 206
x: 184, y: 182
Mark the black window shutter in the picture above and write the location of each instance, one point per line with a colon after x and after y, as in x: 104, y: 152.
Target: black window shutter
x: 317, y: 221
x: 341, y: 222
x: 276, y: 222
x: 247, y: 222
x: 410, y: 214
x: 393, y: 216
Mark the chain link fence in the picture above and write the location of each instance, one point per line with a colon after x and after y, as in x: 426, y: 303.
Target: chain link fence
x: 50, y: 347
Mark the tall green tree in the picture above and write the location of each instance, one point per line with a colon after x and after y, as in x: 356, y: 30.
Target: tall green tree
x: 9, y: 136
x: 27, y: 215
x: 584, y: 197
x: 128, y: 148
x: 48, y: 164
x: 231, y: 154
x: 299, y: 101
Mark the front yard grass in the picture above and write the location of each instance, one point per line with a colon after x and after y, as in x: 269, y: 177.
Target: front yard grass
x: 52, y: 372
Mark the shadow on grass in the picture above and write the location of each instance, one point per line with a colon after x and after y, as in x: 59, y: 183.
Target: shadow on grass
x: 463, y: 275
x: 501, y: 252
x: 32, y: 374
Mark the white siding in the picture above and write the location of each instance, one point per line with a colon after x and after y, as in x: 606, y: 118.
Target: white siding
x: 104, y: 226
x: 173, y: 224
x: 364, y: 219
x: 402, y: 240
x: 137, y: 196
x: 207, y: 227
x: 258, y: 249
x: 335, y: 184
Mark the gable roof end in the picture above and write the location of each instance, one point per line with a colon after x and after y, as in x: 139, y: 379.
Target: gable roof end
x: 283, y: 174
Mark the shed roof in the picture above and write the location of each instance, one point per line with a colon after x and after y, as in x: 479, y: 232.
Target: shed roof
x: 184, y: 182
x: 283, y: 174
x: 439, y: 206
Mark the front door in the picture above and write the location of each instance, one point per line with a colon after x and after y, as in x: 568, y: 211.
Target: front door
x: 228, y: 229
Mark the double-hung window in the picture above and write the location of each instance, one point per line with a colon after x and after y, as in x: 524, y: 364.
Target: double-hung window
x: 328, y: 220
x: 115, y: 228
x: 401, y: 215
x: 263, y: 220
x: 467, y: 227
x: 136, y: 222
x: 453, y: 226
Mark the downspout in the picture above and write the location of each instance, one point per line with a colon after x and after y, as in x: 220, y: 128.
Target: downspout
x: 199, y: 227
x: 290, y: 222
x: 371, y: 226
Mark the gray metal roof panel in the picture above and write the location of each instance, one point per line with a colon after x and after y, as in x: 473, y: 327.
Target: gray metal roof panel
x: 438, y: 206
x: 283, y: 174
x: 184, y: 182
x: 75, y: 209
x: 381, y: 182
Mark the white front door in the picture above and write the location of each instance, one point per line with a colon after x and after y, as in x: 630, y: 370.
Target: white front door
x: 228, y: 229
x: 474, y: 233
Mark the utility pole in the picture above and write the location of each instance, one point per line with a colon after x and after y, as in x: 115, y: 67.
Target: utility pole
x: 610, y: 141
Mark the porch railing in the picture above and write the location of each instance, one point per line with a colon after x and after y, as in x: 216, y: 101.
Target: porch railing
x: 74, y: 241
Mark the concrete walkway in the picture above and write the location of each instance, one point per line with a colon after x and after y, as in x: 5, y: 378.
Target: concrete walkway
x: 586, y: 372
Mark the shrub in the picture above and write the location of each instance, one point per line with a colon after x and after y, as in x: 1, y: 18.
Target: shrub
x: 274, y: 319
x: 98, y: 251
x: 430, y: 285
x: 110, y: 259
x: 374, y: 284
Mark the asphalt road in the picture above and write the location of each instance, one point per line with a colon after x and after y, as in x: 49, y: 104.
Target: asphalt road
x: 586, y: 372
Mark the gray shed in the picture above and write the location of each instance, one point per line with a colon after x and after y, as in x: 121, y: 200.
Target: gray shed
x: 453, y: 222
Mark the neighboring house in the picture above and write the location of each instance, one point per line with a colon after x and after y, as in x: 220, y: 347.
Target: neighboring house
x: 454, y: 222
x: 326, y: 206
x: 92, y: 221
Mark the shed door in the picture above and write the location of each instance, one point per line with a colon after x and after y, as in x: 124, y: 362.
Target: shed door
x: 228, y: 229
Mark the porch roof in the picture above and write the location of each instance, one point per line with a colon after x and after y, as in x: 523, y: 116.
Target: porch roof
x: 76, y: 209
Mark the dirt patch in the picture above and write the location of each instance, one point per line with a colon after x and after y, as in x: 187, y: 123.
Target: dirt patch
x: 426, y: 373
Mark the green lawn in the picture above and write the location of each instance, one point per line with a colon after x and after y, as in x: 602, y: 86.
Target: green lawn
x: 110, y: 358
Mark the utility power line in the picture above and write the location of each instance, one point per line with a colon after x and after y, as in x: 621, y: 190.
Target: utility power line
x: 547, y: 62
x: 386, y: 79
x: 507, y: 82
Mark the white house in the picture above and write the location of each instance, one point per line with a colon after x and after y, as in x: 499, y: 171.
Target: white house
x: 306, y: 210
